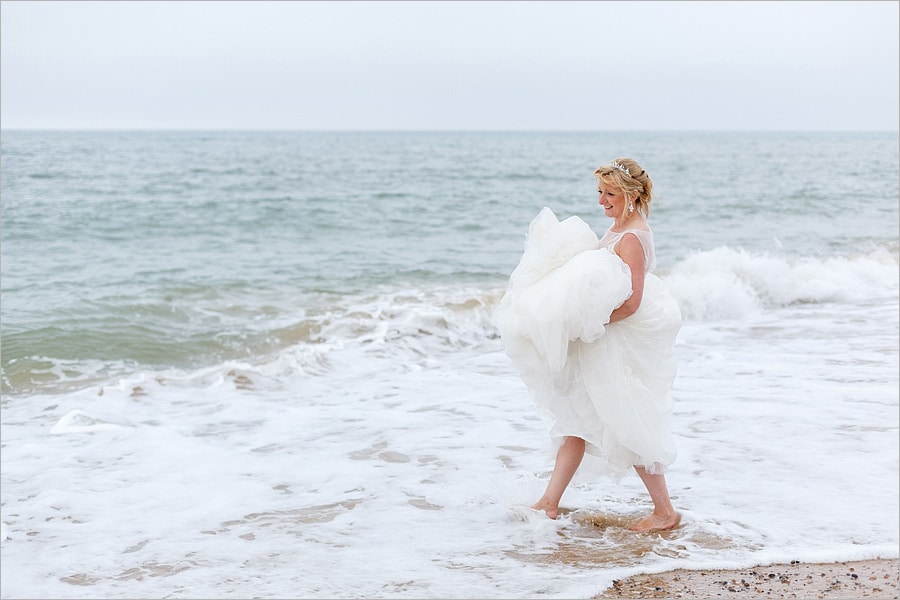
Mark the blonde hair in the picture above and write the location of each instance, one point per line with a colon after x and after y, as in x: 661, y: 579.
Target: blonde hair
x: 635, y: 184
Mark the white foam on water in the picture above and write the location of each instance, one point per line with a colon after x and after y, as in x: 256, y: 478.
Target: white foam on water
x: 397, y: 454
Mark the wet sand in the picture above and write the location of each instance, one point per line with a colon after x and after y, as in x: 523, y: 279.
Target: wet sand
x: 857, y: 579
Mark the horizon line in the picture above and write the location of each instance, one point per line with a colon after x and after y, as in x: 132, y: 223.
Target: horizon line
x: 428, y: 130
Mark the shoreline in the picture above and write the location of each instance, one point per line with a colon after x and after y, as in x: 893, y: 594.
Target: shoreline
x: 876, y: 578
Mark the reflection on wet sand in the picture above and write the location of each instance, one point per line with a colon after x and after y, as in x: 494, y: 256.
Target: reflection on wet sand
x: 592, y: 538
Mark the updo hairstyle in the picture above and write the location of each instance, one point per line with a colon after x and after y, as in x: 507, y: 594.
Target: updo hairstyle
x: 636, y: 184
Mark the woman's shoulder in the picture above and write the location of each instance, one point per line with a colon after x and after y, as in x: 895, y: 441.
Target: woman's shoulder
x: 639, y: 232
x: 643, y: 235
x: 640, y: 237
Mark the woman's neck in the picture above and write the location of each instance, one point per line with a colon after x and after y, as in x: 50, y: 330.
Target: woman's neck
x: 633, y: 221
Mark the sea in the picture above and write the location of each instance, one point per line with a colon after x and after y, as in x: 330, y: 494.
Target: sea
x: 242, y: 364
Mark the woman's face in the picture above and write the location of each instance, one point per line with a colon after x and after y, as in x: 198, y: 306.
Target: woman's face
x: 612, y: 199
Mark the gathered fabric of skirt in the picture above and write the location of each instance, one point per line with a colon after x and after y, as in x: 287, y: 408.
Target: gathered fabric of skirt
x: 607, y: 383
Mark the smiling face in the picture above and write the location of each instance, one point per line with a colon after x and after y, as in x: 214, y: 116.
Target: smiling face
x: 625, y: 190
x: 612, y: 199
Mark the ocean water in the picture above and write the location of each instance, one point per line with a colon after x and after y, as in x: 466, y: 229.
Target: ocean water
x: 263, y: 364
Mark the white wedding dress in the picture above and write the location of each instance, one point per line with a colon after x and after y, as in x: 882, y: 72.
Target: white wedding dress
x: 607, y: 383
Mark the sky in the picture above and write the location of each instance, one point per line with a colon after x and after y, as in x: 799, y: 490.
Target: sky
x: 431, y: 65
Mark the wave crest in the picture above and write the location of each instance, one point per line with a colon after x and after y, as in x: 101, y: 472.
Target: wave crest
x: 725, y: 283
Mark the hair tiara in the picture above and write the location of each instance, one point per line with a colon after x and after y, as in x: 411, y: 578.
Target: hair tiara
x: 623, y: 168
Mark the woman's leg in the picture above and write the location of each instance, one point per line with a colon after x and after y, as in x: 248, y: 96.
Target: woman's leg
x: 568, y: 457
x: 664, y: 515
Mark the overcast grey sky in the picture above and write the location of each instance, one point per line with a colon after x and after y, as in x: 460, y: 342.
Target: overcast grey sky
x: 482, y: 65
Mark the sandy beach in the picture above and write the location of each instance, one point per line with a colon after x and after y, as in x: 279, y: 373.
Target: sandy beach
x: 857, y: 579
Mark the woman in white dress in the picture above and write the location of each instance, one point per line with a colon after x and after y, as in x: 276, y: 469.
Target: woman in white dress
x: 592, y: 333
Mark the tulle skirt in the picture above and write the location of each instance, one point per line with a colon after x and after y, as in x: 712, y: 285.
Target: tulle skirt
x: 607, y: 383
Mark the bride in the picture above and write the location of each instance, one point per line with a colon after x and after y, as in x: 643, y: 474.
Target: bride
x: 591, y: 330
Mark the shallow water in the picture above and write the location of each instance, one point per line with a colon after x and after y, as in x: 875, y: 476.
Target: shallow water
x: 264, y: 365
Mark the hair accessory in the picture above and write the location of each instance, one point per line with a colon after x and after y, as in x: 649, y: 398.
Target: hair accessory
x: 622, y: 168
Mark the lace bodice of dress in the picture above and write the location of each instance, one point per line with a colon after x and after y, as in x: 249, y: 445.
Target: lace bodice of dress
x: 611, y: 238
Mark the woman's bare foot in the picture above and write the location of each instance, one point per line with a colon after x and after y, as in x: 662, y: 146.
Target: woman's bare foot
x: 550, y: 509
x: 657, y: 523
